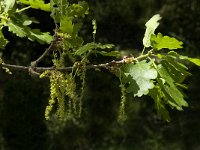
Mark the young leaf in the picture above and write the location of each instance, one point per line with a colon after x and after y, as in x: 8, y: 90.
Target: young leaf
x: 151, y: 26
x: 139, y: 76
x: 3, y: 41
x: 37, y: 4
x: 159, y: 42
x: 58, y: 9
x: 90, y: 46
x: 66, y: 25
x: 9, y: 4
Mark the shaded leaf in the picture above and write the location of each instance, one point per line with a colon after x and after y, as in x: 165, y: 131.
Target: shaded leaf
x: 177, y: 70
x: 173, y: 95
x: 41, y: 37
x: 3, y: 41
x: 111, y: 54
x: 151, y: 26
x: 157, y: 95
x: 90, y: 46
x: 79, y: 10
x: 159, y: 42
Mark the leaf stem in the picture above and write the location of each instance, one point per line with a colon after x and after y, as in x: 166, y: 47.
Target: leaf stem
x: 143, y: 51
x: 23, y: 9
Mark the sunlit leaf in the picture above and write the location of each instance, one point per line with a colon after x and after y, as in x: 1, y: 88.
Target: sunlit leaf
x: 9, y: 4
x: 66, y: 25
x: 159, y: 42
x: 196, y: 61
x: 151, y: 26
x: 37, y: 4
x: 139, y: 76
x: 16, y: 29
x: 32, y: 34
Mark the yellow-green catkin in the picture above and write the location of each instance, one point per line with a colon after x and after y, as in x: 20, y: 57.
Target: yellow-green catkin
x: 122, y: 113
x: 53, y: 89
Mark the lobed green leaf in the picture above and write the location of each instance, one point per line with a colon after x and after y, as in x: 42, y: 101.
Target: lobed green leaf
x: 157, y: 94
x: 151, y: 26
x: 173, y: 95
x: 66, y: 25
x: 90, y: 46
x: 159, y: 42
x: 177, y: 70
x: 196, y: 61
x: 16, y: 29
x: 139, y: 77
x: 9, y: 4
x: 32, y: 34
x: 37, y: 4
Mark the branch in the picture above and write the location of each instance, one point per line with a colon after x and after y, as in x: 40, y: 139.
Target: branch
x: 38, y: 70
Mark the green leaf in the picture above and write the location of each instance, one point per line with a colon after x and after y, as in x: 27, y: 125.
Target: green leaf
x: 196, y: 61
x: 176, y: 69
x: 173, y: 95
x: 16, y: 29
x: 3, y: 41
x: 139, y: 76
x: 111, y: 54
x: 9, y: 4
x: 59, y: 9
x: 22, y: 19
x: 74, y: 42
x: 159, y: 42
x: 157, y: 95
x: 79, y: 10
x: 151, y: 26
x: 26, y: 21
x: 90, y: 46
x: 41, y: 37
x: 37, y: 4
x: 32, y: 34
x: 66, y: 25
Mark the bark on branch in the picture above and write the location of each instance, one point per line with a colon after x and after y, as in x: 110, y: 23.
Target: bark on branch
x: 38, y: 70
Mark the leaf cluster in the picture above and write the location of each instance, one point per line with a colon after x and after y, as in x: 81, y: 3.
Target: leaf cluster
x: 162, y: 76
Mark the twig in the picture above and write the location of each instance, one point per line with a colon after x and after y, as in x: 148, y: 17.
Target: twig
x: 34, y: 63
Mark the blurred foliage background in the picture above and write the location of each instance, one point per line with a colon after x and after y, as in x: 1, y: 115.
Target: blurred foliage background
x: 23, y: 98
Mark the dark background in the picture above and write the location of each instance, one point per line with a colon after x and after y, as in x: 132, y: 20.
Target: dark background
x: 23, y: 98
